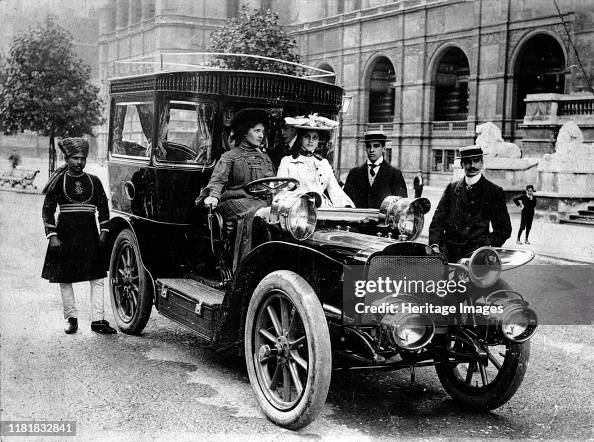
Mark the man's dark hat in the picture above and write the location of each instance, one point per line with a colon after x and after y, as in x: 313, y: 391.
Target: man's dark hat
x: 470, y: 152
x: 374, y: 135
x: 250, y: 114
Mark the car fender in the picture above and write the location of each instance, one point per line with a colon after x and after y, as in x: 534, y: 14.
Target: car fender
x: 269, y: 257
x: 120, y: 222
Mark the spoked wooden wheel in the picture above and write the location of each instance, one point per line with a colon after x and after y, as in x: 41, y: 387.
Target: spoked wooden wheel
x: 489, y: 383
x: 131, y: 295
x: 282, y: 357
x: 287, y: 349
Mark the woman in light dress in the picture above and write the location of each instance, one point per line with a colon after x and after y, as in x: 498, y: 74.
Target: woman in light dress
x: 313, y: 172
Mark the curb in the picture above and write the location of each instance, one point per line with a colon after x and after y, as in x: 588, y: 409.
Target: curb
x: 30, y: 191
x: 562, y: 259
x: 565, y: 260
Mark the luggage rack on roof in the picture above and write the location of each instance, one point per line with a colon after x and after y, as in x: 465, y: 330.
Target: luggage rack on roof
x: 197, y: 61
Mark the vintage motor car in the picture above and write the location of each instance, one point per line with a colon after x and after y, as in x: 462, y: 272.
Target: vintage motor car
x: 290, y: 306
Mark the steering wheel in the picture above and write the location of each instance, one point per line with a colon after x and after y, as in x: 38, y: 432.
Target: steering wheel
x: 266, y: 187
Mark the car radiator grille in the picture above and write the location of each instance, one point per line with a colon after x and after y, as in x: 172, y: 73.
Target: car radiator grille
x: 409, y: 268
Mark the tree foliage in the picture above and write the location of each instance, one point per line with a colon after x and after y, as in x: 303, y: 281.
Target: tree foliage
x: 45, y: 88
x: 254, y: 32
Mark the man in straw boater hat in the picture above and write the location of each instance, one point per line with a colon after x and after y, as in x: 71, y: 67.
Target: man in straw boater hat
x: 74, y: 251
x: 471, y: 213
x: 370, y: 183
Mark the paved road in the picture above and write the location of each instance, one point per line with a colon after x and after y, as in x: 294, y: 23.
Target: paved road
x: 164, y: 386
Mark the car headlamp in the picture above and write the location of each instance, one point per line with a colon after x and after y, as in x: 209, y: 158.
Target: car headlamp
x: 484, y: 267
x: 407, y: 329
x: 405, y: 214
x: 515, y: 320
x: 296, y: 213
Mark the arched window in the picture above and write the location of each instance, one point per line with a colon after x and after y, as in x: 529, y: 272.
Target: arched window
x: 540, y: 68
x: 381, y: 91
x: 451, y: 86
x: 330, y: 78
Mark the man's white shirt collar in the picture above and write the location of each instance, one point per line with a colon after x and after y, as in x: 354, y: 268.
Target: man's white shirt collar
x: 292, y: 141
x: 472, y: 180
x: 379, y: 161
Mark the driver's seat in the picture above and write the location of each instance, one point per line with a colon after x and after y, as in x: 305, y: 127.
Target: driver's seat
x: 221, y: 239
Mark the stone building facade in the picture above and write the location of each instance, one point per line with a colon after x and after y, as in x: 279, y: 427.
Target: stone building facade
x: 430, y: 71
x: 145, y: 29
x: 427, y: 71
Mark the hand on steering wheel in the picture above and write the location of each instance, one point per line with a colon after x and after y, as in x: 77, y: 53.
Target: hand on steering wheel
x: 251, y: 188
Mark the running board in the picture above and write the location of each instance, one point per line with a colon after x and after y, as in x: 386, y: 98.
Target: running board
x: 191, y: 303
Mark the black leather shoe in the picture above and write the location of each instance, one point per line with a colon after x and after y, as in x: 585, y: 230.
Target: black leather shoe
x: 71, y: 326
x: 103, y: 327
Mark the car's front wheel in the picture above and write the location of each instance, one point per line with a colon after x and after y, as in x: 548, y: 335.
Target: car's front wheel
x: 485, y: 385
x: 130, y: 287
x: 287, y: 349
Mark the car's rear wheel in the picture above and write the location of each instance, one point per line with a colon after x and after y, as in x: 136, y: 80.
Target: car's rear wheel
x: 287, y: 349
x: 130, y: 287
x: 485, y: 385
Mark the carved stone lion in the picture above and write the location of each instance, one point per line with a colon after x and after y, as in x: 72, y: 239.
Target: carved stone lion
x: 490, y: 140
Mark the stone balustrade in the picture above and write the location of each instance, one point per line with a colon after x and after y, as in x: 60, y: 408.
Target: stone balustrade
x: 558, y: 109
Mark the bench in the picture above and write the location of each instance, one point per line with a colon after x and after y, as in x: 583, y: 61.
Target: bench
x: 16, y: 176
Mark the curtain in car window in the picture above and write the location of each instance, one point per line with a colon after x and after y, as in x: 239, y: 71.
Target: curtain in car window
x: 162, y: 129
x: 145, y: 115
x: 202, y: 141
x: 118, y: 129
x: 131, y: 130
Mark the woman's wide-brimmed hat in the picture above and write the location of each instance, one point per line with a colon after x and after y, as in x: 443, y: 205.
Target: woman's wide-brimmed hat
x: 311, y: 122
x: 470, y: 152
x: 374, y: 135
x: 250, y: 114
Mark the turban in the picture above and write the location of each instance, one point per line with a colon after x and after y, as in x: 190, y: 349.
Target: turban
x: 69, y: 147
x: 72, y: 146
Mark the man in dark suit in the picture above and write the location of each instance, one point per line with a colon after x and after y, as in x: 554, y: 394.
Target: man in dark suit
x: 367, y: 185
x: 418, y: 184
x: 467, y: 209
x: 527, y: 202
x: 284, y: 147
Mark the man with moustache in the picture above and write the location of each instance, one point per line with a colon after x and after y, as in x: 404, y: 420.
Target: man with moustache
x: 471, y: 213
x: 367, y: 185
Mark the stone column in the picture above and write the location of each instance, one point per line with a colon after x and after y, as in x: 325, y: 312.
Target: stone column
x: 146, y: 6
x: 307, y: 10
x: 107, y: 18
x: 123, y: 13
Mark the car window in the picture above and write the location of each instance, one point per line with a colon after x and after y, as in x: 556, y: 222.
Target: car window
x: 185, y: 132
x: 132, y: 129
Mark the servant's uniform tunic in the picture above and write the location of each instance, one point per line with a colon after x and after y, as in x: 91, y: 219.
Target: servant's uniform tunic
x: 79, y: 257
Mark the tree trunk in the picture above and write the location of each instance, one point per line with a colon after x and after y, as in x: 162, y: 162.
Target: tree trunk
x: 52, y: 155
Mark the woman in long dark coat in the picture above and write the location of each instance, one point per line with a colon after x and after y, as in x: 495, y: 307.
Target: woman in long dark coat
x: 74, y: 250
x: 244, y: 163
